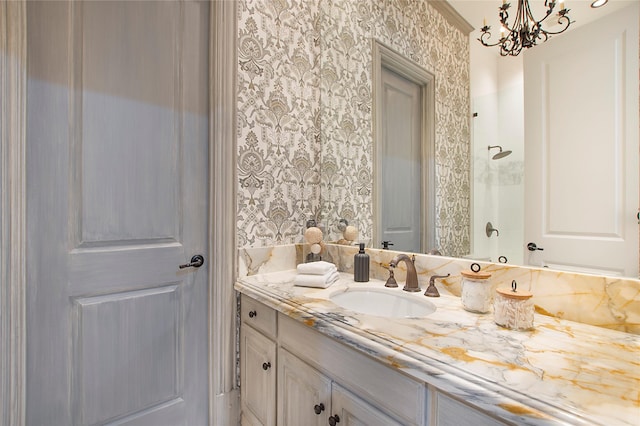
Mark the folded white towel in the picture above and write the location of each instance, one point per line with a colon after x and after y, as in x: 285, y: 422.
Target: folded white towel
x: 318, y: 281
x: 316, y: 268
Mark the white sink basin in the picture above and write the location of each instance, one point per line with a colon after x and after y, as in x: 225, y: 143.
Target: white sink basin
x: 384, y: 303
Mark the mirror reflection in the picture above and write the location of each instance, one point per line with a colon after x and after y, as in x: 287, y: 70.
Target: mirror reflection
x: 415, y: 31
x: 498, y: 190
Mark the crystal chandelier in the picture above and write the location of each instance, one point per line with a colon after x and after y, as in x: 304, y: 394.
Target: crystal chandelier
x: 525, y: 32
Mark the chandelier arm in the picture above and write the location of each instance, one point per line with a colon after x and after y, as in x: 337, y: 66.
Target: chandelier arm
x: 504, y: 16
x: 511, y: 50
x: 562, y: 20
x: 487, y: 33
x: 550, y: 5
x: 546, y: 36
x: 510, y: 46
x: 549, y: 13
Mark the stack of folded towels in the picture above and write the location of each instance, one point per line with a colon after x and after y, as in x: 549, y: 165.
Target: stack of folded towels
x: 319, y: 274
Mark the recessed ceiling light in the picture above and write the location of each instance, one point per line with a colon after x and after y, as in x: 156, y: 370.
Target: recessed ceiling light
x: 598, y: 3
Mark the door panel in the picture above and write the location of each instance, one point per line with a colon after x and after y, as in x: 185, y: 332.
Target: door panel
x: 112, y: 333
x: 129, y: 120
x: 401, y: 195
x: 582, y: 158
x: 117, y: 192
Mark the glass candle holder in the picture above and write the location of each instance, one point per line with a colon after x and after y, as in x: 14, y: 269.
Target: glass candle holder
x: 477, y: 293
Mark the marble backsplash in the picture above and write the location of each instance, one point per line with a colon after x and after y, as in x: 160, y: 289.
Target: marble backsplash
x: 607, y: 302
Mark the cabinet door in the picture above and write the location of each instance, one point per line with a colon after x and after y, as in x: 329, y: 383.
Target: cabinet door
x: 258, y: 378
x: 304, y: 395
x: 349, y: 410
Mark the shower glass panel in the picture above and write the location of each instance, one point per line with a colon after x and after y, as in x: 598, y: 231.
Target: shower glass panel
x: 498, y: 185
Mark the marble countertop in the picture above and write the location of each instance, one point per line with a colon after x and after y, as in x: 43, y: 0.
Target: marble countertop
x: 561, y: 372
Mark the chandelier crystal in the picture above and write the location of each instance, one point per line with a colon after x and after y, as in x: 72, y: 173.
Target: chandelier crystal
x: 525, y: 32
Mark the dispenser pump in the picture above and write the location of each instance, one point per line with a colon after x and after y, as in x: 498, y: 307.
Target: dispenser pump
x: 361, y: 266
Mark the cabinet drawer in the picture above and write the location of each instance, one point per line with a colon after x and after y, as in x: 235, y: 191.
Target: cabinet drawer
x: 449, y: 412
x: 258, y: 316
x: 354, y: 411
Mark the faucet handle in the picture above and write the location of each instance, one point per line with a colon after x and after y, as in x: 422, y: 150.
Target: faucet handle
x: 432, y: 291
x: 435, y: 277
x: 391, y: 281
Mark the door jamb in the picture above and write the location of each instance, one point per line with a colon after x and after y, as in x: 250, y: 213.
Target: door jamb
x: 13, y: 83
x: 223, y: 387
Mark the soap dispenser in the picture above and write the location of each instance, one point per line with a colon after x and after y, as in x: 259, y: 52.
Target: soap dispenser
x: 361, y: 266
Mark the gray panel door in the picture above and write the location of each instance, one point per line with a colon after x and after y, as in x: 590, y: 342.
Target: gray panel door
x: 401, y: 194
x: 117, y: 170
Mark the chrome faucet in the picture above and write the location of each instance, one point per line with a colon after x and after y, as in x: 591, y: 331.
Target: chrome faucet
x: 432, y: 291
x: 412, y: 276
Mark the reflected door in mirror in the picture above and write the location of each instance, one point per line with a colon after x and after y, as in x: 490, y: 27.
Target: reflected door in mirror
x: 401, y: 162
x: 582, y: 153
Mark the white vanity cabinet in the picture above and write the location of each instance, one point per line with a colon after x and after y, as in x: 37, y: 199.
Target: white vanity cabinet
x: 258, y: 378
x: 307, y: 397
x: 258, y: 363
x: 304, y: 394
x: 292, y: 375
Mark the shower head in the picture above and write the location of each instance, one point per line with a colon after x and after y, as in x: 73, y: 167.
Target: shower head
x: 500, y: 154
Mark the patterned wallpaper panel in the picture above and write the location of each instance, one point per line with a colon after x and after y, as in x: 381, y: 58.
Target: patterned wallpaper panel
x: 278, y: 120
x: 305, y: 120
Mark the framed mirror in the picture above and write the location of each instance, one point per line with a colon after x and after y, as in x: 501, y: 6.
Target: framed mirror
x: 460, y: 223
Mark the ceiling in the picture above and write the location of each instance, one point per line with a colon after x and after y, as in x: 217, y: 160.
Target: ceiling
x: 474, y: 11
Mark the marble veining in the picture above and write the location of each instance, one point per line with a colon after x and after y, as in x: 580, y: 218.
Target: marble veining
x: 590, y: 299
x: 561, y: 372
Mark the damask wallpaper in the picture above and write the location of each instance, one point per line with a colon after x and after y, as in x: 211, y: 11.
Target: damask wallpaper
x: 305, y: 122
